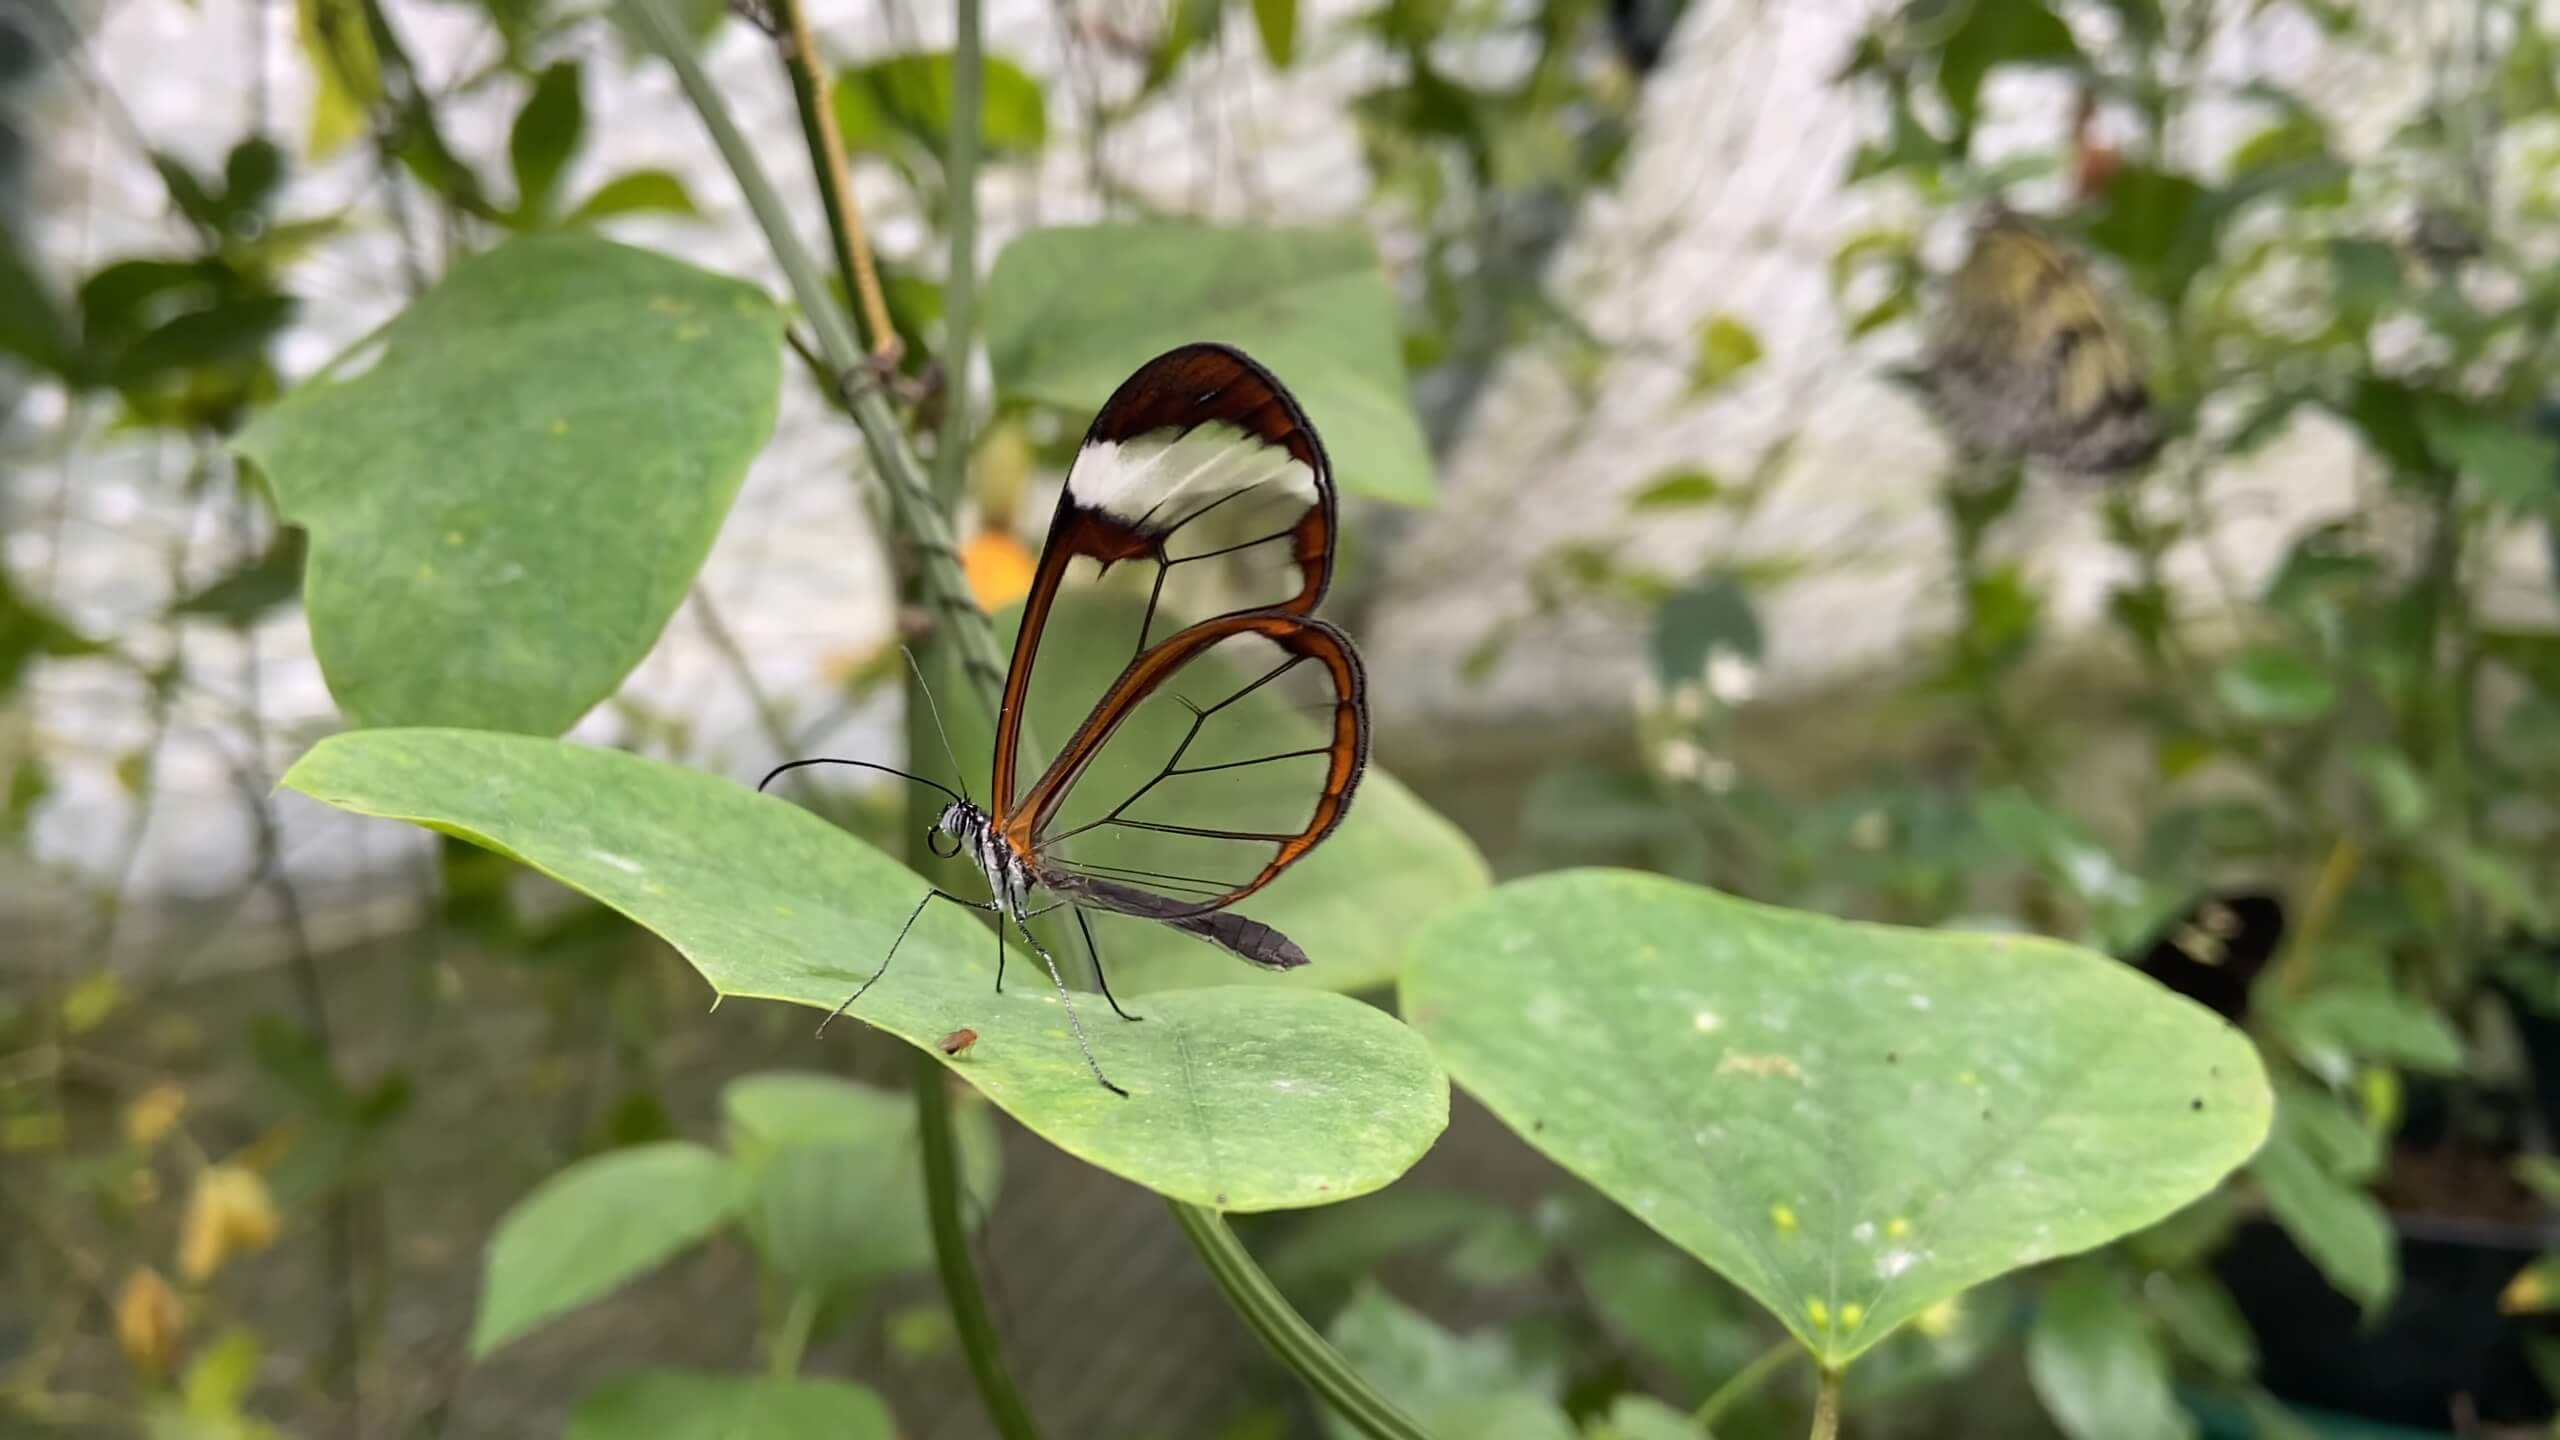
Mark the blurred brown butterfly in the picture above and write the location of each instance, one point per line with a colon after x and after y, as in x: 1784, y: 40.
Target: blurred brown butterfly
x: 2215, y: 951
x: 2027, y: 358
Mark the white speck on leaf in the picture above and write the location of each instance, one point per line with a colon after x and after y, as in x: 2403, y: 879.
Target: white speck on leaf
x: 1893, y: 1262
x: 1547, y: 1010
x: 1707, y: 1021
x: 1919, y: 1002
x: 623, y: 863
x: 1865, y: 1234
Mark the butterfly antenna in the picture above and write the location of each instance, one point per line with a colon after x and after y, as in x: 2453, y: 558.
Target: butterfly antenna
x: 779, y: 770
x: 936, y: 708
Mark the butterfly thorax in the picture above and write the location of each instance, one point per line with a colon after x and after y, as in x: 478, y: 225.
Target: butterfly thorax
x: 1008, y: 876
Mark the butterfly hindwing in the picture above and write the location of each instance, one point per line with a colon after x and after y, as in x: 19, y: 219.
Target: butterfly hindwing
x: 1192, y: 764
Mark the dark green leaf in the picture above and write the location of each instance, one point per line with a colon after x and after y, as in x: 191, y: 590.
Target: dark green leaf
x: 2097, y: 1367
x: 547, y: 129
x: 1072, y: 311
x: 187, y: 191
x: 251, y: 174
x: 228, y: 330
x: 2386, y: 413
x: 32, y: 325
x: 1995, y: 33
x: 1277, y: 20
x: 258, y: 586
x: 28, y: 630
x: 1187, y: 23
x: 557, y: 397
x: 2162, y: 225
x: 673, y: 1405
x: 630, y: 193
x: 1850, y: 1122
x: 2367, y: 276
x: 593, y: 1227
x: 1711, y: 615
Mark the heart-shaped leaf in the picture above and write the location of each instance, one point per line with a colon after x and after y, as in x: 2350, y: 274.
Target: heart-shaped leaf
x: 1072, y: 310
x: 1851, y: 1122
x: 1240, y: 1098
x: 505, y: 509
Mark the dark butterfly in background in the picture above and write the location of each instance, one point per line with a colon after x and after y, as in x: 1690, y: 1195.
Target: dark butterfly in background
x: 1163, y: 804
x: 2028, y: 359
x: 2216, y: 950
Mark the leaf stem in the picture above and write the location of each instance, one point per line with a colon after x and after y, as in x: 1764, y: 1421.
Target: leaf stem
x: 951, y: 1255
x: 960, y: 276
x: 1739, y: 1385
x: 835, y: 178
x: 1826, y: 1408
x: 1286, y: 1332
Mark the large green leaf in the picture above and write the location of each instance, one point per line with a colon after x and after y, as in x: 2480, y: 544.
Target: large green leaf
x: 2096, y: 1364
x: 506, y: 508
x: 1072, y: 311
x: 1478, y: 1385
x: 835, y: 1189
x: 674, y: 1405
x: 595, y: 1225
x: 1245, y: 1099
x: 1352, y: 904
x: 1851, y: 1122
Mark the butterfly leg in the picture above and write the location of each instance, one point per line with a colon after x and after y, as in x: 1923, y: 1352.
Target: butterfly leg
x: 1098, y: 978
x: 929, y: 897
x: 1019, y: 923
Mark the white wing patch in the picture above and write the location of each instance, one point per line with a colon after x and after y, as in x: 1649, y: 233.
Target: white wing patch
x: 1157, y: 482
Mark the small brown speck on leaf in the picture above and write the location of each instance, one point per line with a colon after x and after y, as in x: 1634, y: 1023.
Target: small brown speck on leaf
x: 2196, y: 1104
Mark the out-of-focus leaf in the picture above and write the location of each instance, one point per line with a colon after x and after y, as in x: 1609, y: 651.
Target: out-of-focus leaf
x: 1472, y: 1385
x: 2371, y: 1023
x: 2097, y: 1366
x: 594, y: 1226
x: 673, y: 1405
x: 1726, y: 348
x: 1277, y: 20
x: 547, y: 129
x: 908, y: 97
x: 258, y: 586
x: 630, y: 193
x: 2341, y: 1229
x: 2275, y: 687
x: 346, y: 73
x: 1677, y: 489
x: 2206, y: 1321
x: 32, y: 324
x: 2510, y: 463
x: 1711, y: 615
x: 1994, y: 33
x: 27, y: 630
x: 227, y: 330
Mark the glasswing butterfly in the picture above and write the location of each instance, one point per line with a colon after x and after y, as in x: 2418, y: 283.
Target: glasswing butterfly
x: 1226, y: 749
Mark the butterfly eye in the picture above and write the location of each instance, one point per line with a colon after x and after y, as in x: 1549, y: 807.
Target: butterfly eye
x: 933, y: 841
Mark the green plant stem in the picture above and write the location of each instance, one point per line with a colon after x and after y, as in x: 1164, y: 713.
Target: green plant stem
x: 960, y: 275
x: 1826, y: 1408
x: 928, y: 536
x: 1739, y: 1385
x: 1287, y: 1334
x: 792, y: 1339
x: 951, y: 1256
x: 911, y: 507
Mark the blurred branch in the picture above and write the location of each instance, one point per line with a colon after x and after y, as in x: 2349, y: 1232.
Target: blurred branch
x: 799, y: 47
x: 1826, y: 1407
x: 1741, y: 1383
x: 1286, y: 1333
x: 960, y: 276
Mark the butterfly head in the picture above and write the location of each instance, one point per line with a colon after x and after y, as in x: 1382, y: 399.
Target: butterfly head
x: 960, y: 825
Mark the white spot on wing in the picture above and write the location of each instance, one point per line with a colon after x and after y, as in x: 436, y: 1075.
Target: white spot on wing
x: 1159, y: 480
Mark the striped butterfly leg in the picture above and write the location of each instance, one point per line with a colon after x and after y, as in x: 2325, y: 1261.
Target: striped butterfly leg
x: 1024, y: 926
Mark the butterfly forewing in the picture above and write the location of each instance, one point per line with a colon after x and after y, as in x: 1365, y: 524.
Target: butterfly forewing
x: 1201, y: 490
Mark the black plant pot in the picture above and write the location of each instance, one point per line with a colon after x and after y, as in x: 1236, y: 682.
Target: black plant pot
x: 2440, y: 1340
